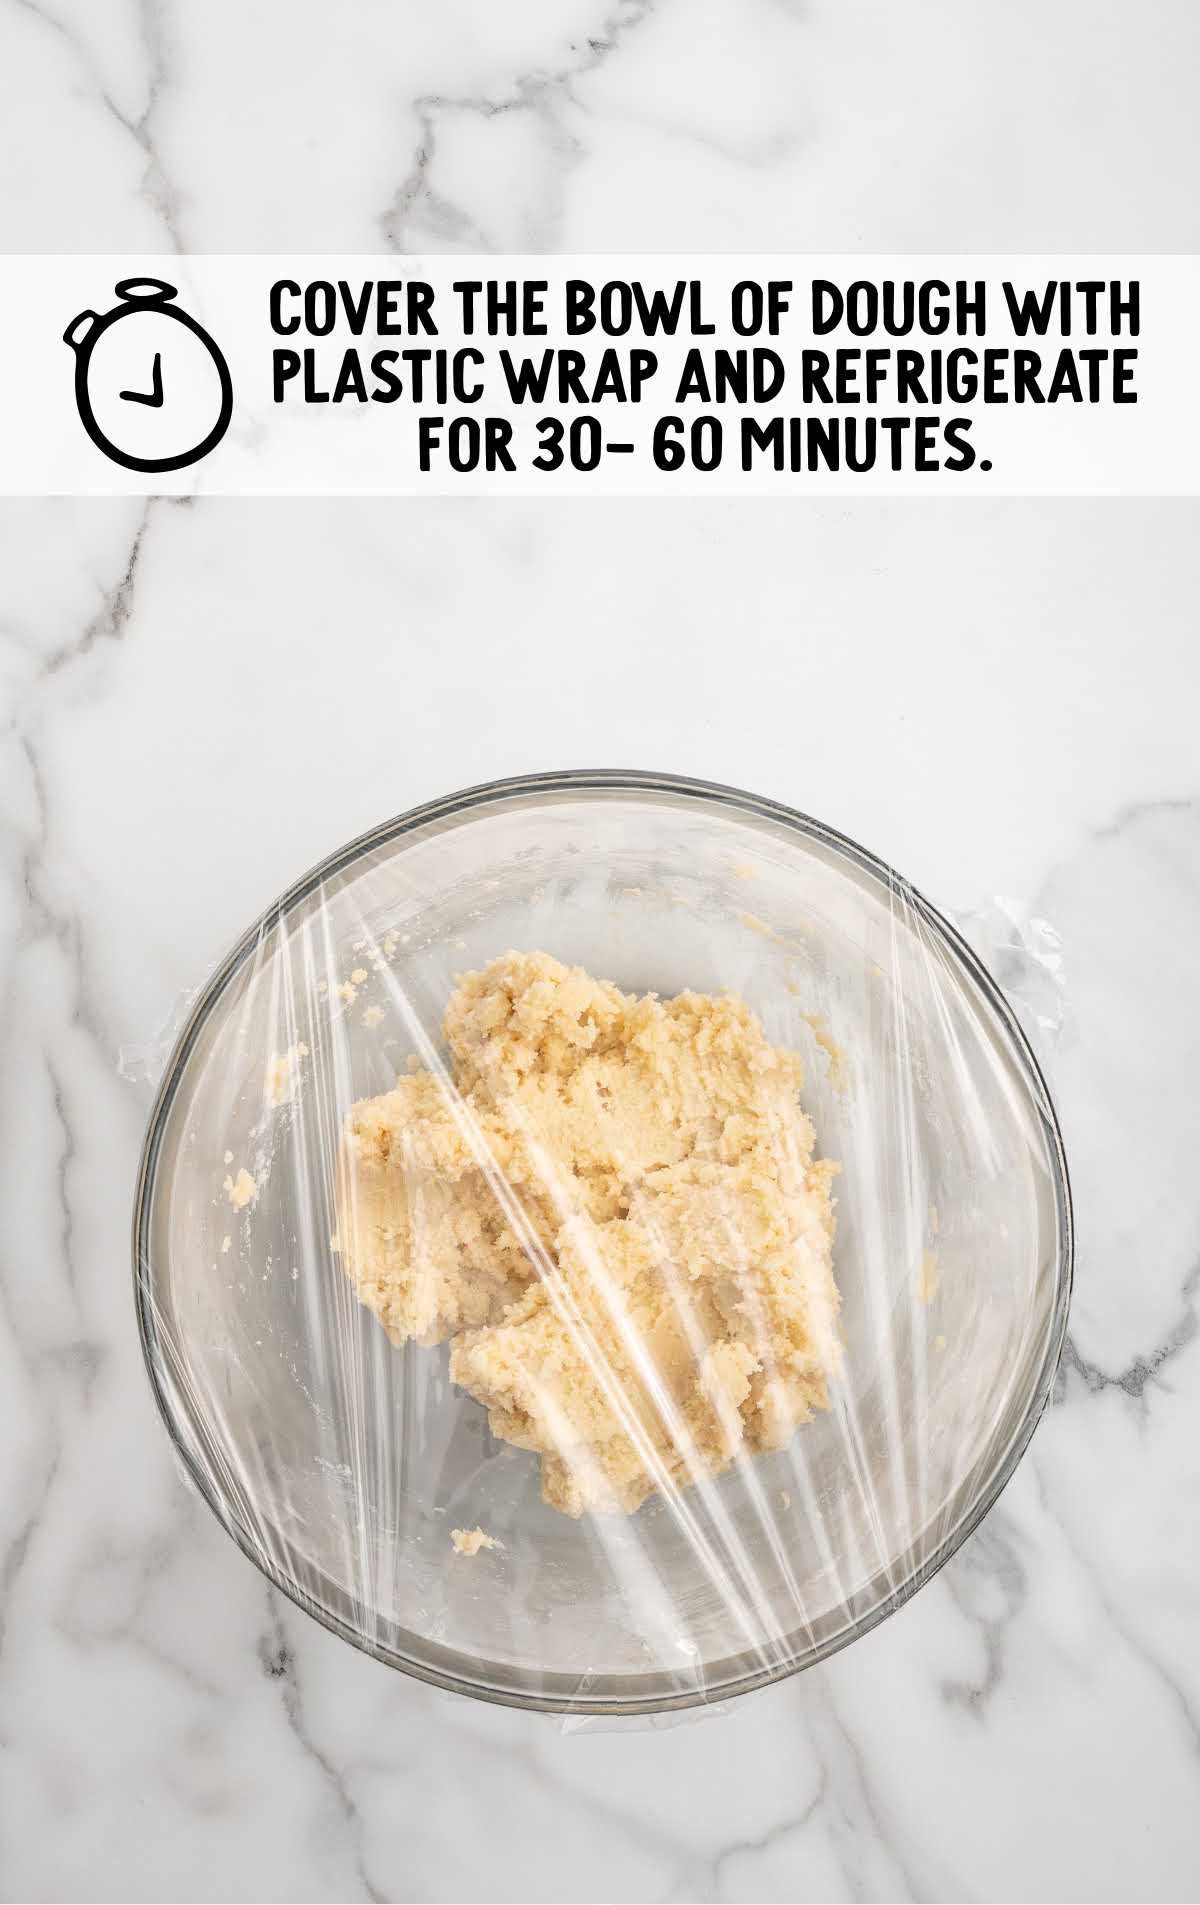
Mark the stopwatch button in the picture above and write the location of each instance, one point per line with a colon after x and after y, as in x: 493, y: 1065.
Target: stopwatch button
x: 146, y: 290
x: 74, y: 335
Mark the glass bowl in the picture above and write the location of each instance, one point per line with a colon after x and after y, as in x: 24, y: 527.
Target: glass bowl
x: 340, y: 1464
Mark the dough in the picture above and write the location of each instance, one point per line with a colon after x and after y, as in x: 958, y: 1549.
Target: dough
x: 610, y: 1206
x: 240, y: 1190
x: 469, y: 1541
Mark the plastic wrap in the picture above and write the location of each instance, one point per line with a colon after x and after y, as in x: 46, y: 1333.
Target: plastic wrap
x: 481, y: 1248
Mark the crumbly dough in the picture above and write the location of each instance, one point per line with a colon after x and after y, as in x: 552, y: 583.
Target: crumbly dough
x: 928, y: 1277
x: 279, y: 1084
x: 470, y: 1540
x: 611, y: 1207
x: 240, y: 1190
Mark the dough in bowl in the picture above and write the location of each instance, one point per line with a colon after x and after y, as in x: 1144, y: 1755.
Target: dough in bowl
x: 611, y: 1207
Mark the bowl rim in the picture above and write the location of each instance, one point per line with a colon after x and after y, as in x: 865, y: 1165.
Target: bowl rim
x: 575, y: 1699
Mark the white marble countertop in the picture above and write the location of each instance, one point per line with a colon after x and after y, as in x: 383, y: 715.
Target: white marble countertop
x: 199, y: 700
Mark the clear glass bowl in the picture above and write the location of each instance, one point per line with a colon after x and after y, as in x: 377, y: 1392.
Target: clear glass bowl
x: 339, y: 1464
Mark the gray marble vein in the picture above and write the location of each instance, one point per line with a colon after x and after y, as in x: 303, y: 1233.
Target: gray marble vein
x: 278, y: 1662
x: 1143, y: 1370
x: 155, y: 186
x: 420, y: 217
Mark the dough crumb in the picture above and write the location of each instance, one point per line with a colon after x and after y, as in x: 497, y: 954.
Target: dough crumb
x: 240, y: 1189
x: 928, y: 1277
x: 471, y: 1540
x: 225, y: 1243
x: 614, y: 1212
x: 373, y: 1015
x: 753, y: 924
x: 229, y: 1157
x: 835, y: 1054
x: 279, y: 1084
x: 359, y: 976
x: 347, y: 992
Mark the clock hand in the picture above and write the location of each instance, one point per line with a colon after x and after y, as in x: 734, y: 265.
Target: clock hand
x: 152, y: 397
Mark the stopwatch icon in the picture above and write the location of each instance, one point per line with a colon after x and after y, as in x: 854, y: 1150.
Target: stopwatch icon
x: 152, y: 387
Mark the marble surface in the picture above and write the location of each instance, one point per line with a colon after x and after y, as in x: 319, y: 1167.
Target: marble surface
x: 200, y: 699
x: 598, y: 125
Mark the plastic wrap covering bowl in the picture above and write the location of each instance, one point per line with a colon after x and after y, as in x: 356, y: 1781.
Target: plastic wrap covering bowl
x: 340, y: 1462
